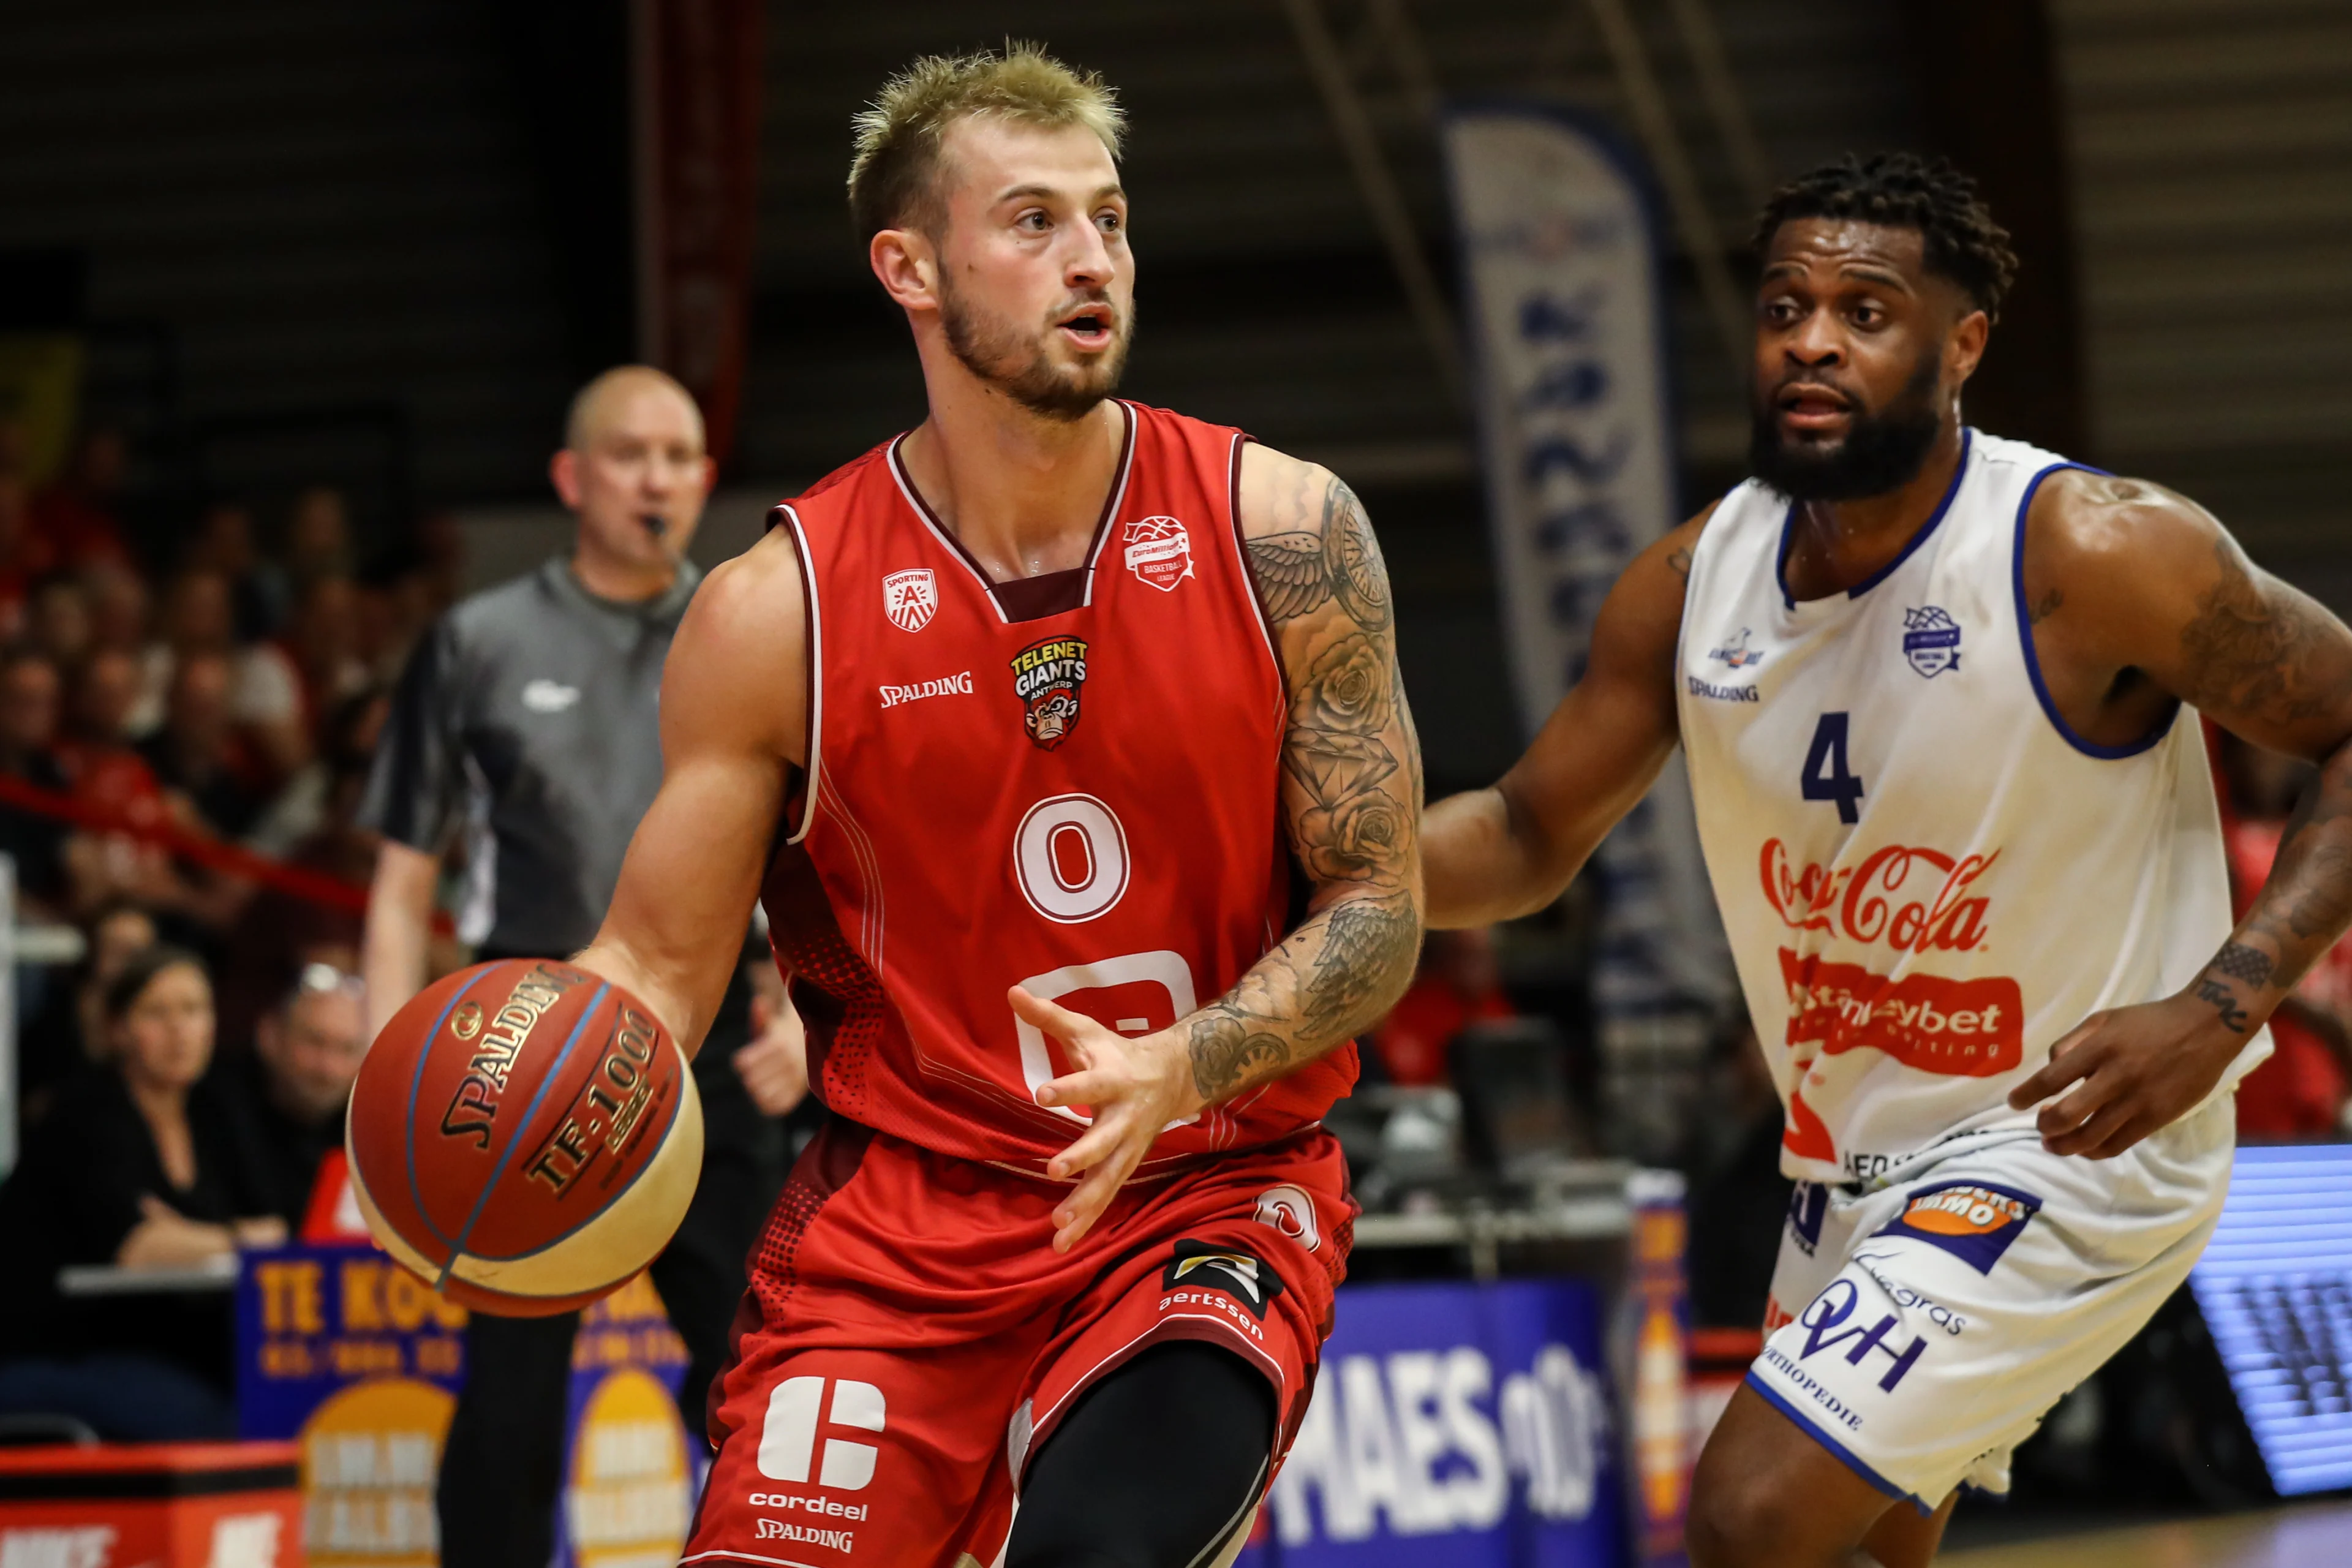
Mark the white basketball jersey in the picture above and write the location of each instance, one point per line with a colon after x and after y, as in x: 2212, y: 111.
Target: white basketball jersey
x: 1927, y: 879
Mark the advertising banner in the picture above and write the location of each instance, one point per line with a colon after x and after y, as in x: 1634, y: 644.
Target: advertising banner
x: 1561, y: 256
x: 1464, y: 1423
x: 359, y: 1363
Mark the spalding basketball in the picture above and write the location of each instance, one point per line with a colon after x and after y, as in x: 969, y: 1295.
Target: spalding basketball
x: 525, y: 1136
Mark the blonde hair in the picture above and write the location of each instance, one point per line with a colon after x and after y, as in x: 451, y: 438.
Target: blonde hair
x: 894, y: 178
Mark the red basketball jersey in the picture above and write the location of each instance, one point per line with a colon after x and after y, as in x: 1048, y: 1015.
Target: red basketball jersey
x: 1067, y: 783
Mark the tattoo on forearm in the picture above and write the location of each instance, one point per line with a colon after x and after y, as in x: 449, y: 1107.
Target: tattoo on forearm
x: 2224, y: 1001
x: 2046, y: 608
x: 1304, y: 569
x: 2247, y: 652
x: 1366, y: 943
x: 1353, y: 826
x: 2239, y: 962
x: 1229, y: 1049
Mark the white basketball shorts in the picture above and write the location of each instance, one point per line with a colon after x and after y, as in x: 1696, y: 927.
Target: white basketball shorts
x: 1920, y: 1327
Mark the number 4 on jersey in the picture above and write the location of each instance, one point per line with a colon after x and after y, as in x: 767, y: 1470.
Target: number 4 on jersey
x: 1826, y: 775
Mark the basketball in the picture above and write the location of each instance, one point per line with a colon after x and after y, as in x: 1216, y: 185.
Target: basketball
x: 524, y: 1136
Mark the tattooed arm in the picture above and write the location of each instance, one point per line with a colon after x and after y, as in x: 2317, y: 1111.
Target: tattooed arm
x: 1350, y: 796
x: 1492, y: 854
x: 2141, y: 601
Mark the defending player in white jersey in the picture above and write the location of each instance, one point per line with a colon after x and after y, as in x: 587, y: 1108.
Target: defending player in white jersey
x: 1939, y: 695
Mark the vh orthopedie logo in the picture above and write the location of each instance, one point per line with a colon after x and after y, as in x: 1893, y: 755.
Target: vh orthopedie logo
x: 789, y: 1432
x: 1158, y: 553
x: 911, y: 599
x: 1289, y: 1210
x: 1931, y: 640
x: 1913, y: 901
x: 476, y: 1104
x: 1737, y: 653
x: 956, y: 685
x: 1824, y: 1323
x: 1243, y: 1276
x: 1907, y: 1299
x: 1973, y: 1221
x: 1046, y: 677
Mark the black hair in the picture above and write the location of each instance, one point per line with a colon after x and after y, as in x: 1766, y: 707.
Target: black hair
x: 123, y: 992
x: 1903, y: 190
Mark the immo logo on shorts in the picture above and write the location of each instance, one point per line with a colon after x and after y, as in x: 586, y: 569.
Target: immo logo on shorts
x: 788, y: 1439
x: 1829, y: 1311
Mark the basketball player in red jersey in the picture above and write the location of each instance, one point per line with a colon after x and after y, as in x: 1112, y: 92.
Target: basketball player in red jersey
x: 1018, y: 725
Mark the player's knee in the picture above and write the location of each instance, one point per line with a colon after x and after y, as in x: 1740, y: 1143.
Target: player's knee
x: 1746, y: 1523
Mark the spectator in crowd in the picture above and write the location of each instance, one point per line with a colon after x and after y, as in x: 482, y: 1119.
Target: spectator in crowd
x: 138, y: 1167
x: 318, y: 540
x: 224, y: 543
x: 79, y: 517
x: 1458, y: 985
x: 58, y: 621
x: 290, y: 683
x: 289, y: 1095
x: 2300, y: 1093
x: 119, y: 607
x: 311, y: 824
x: 199, y: 752
x: 23, y: 555
x: 194, y: 619
x: 30, y: 702
x: 65, y: 1034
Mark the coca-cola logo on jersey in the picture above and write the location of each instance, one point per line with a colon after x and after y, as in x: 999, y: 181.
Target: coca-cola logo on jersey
x: 1915, y: 900
x: 1159, y: 552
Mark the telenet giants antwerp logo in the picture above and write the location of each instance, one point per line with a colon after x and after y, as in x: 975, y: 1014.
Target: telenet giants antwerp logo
x: 788, y: 1439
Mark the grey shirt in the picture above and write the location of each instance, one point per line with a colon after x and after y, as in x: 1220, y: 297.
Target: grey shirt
x: 527, y: 720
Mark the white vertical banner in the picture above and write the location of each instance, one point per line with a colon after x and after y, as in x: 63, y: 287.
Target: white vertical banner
x: 1560, y: 252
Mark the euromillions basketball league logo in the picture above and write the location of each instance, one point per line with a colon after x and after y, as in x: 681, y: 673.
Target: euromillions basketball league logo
x: 911, y: 599
x: 1931, y: 640
x: 1158, y: 553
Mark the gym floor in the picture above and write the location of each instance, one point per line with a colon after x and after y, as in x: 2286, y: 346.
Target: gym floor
x: 2303, y: 1535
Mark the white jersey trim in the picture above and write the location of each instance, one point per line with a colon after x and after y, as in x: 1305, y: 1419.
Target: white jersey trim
x: 813, y: 773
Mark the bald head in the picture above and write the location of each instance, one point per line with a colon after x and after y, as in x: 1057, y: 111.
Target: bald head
x: 601, y: 404
x: 634, y: 472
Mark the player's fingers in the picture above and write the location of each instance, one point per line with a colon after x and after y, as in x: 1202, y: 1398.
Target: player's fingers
x: 2069, y: 1063
x: 1060, y: 1022
x: 1093, y: 1087
x: 1090, y: 1197
x: 2093, y: 1132
x: 1100, y: 1142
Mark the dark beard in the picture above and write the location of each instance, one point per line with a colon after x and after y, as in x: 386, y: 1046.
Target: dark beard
x: 995, y: 353
x: 1882, y: 451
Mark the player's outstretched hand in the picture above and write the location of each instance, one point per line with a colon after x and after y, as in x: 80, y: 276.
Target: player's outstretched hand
x: 1135, y: 1087
x: 2133, y: 1070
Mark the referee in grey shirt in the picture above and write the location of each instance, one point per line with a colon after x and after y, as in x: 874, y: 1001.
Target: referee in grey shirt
x: 526, y: 723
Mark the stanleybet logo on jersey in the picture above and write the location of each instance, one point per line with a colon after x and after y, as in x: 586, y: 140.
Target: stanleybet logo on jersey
x: 1046, y: 677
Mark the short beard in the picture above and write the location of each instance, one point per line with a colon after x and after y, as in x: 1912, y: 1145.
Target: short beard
x: 1882, y: 451
x: 994, y: 350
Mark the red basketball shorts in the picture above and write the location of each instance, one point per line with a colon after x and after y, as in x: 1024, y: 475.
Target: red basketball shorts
x: 911, y: 1339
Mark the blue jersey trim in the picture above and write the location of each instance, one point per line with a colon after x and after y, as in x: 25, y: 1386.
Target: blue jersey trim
x: 1844, y: 1454
x: 1951, y: 493
x: 2033, y: 660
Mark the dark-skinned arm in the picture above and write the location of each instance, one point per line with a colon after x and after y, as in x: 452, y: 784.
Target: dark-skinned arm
x: 1493, y: 854
x: 1350, y: 798
x: 2142, y: 590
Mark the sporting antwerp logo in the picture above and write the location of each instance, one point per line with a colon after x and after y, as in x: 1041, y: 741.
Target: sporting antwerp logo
x: 1046, y: 676
x: 1158, y: 553
x: 911, y: 599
